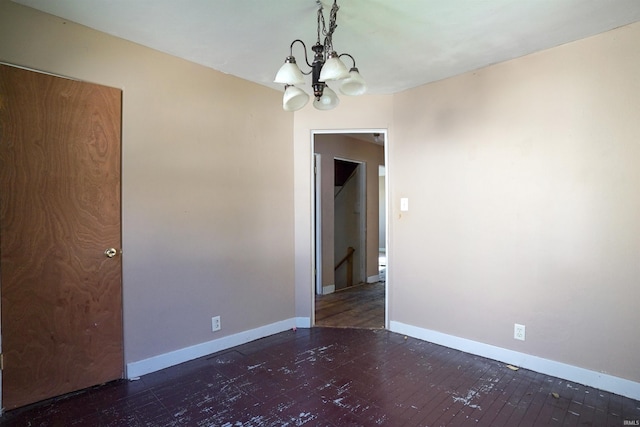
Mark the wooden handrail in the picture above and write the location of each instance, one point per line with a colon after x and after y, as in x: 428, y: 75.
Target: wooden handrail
x: 349, y: 259
x: 349, y: 254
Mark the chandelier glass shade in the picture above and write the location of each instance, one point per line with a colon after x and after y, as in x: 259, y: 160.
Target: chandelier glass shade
x: 333, y: 69
x: 294, y: 98
x: 289, y: 73
x: 354, y: 84
x: 326, y: 66
x: 327, y: 101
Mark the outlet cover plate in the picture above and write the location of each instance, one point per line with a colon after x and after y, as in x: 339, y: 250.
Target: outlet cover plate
x: 215, y: 323
x: 519, y: 332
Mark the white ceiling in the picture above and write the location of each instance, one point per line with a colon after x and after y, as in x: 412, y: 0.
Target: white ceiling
x: 398, y: 44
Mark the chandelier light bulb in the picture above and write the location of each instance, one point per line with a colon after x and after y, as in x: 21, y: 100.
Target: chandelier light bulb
x: 328, y: 101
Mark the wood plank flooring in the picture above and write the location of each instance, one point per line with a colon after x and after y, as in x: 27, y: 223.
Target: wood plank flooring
x: 336, y: 377
x: 360, y: 306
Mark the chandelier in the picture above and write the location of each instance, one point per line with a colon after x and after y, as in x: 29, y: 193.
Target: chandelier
x: 326, y: 67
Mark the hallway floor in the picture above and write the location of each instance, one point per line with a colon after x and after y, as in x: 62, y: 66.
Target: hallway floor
x: 336, y: 377
x: 361, y: 306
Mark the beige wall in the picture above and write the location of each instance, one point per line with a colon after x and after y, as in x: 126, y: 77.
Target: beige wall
x: 523, y: 180
x: 331, y: 146
x: 207, y: 184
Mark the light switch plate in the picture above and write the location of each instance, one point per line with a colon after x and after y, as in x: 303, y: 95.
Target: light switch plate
x: 404, y: 204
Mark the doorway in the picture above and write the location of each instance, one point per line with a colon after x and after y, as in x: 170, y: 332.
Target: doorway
x: 60, y: 235
x: 349, y: 223
x: 348, y: 288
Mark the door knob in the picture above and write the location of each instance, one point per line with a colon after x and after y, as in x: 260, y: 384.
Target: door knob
x: 111, y: 252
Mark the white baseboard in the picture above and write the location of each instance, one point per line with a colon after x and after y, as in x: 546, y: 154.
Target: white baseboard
x: 303, y: 322
x: 572, y: 373
x: 373, y: 279
x: 162, y: 361
x: 328, y: 289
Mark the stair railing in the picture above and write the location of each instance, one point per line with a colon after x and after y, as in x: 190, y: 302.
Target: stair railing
x: 348, y: 258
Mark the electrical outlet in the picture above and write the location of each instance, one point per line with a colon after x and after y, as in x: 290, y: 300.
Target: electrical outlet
x: 215, y: 323
x: 518, y: 332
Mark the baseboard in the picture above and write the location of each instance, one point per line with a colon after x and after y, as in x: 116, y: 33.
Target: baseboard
x: 572, y: 373
x: 373, y: 279
x: 328, y: 289
x: 303, y: 322
x: 162, y: 361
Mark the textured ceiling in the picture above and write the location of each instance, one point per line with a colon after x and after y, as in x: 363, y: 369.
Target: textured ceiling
x: 398, y: 44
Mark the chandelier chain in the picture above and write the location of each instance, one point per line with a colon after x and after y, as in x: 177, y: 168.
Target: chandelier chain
x: 328, y: 41
x: 322, y: 27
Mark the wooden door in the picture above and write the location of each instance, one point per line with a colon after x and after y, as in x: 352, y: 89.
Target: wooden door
x: 59, y: 211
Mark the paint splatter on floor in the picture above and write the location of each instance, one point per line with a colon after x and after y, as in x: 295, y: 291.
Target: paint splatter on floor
x: 331, y: 378
x: 475, y: 394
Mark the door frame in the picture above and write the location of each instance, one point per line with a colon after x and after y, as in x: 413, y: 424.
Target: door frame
x: 316, y: 253
x: 316, y: 171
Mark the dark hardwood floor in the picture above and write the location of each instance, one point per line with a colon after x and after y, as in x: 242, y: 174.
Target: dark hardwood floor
x: 360, y: 306
x: 336, y: 377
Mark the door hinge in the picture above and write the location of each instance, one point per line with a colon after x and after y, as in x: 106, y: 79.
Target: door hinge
x: 1, y: 362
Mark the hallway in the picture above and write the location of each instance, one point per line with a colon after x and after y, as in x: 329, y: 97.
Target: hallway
x: 360, y: 306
